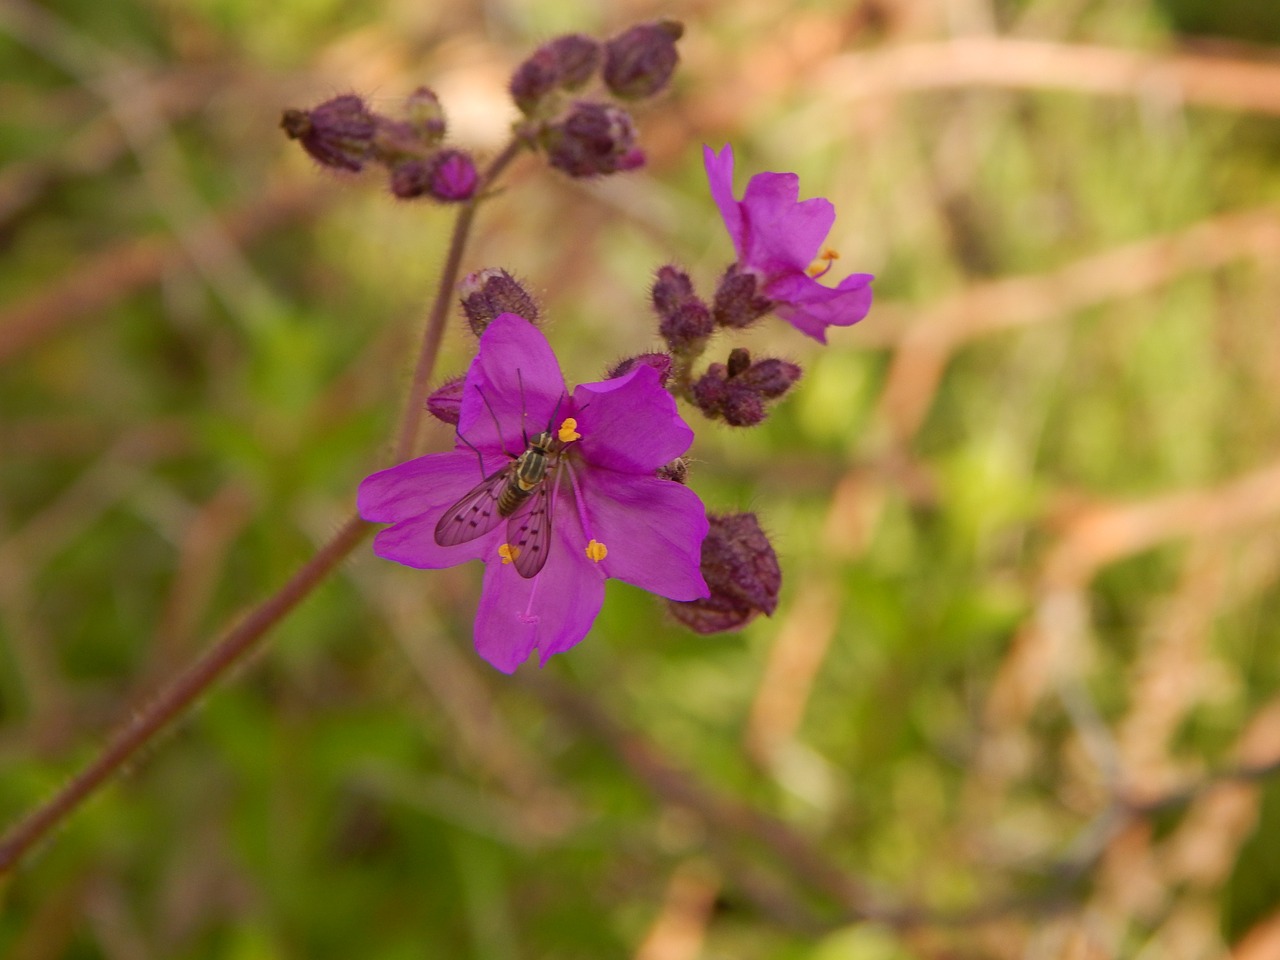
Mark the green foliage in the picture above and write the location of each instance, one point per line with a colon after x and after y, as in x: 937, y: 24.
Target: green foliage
x: 171, y: 452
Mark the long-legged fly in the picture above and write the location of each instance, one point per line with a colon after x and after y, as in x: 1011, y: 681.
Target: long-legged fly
x: 517, y: 492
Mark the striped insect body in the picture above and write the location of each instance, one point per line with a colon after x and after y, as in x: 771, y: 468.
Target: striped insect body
x: 519, y: 493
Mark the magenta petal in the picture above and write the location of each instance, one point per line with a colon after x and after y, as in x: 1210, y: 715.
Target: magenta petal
x: 413, y: 543
x: 418, y: 486
x: 550, y: 612
x: 513, y: 387
x: 784, y: 233
x: 811, y: 307
x: 719, y: 169
x: 413, y: 496
x: 630, y: 423
x: 653, y: 530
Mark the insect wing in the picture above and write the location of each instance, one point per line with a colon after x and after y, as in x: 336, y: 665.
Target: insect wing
x: 477, y: 512
x: 529, y: 533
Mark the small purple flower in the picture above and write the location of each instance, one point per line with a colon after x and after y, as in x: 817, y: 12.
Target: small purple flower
x: 778, y: 238
x: 609, y: 514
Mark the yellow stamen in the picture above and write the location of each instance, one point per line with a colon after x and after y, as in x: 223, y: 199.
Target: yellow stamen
x: 823, y: 263
x: 569, y: 431
x: 508, y: 553
x: 597, y: 551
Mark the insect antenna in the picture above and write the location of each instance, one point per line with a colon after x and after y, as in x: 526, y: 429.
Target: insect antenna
x: 524, y: 410
x: 496, y: 425
x: 472, y: 446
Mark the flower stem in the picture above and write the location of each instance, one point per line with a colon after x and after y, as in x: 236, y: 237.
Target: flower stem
x: 416, y: 401
x: 181, y: 694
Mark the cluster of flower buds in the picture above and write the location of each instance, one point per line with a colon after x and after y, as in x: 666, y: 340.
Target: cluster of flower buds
x: 345, y: 134
x: 736, y: 391
x: 741, y: 571
x: 593, y: 137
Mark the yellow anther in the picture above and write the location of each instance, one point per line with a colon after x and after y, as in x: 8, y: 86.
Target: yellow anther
x: 597, y: 551
x: 823, y: 263
x: 508, y: 553
x: 569, y: 431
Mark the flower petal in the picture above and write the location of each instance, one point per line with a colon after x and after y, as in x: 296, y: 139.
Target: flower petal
x: 719, y: 169
x: 513, y: 388
x: 417, y: 486
x: 550, y: 612
x: 413, y: 496
x: 782, y: 233
x: 811, y: 307
x: 630, y: 423
x: 653, y: 530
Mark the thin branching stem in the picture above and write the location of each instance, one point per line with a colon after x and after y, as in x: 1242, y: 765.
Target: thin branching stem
x: 185, y: 690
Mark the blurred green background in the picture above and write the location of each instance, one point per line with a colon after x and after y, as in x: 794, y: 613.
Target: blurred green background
x: 1027, y: 511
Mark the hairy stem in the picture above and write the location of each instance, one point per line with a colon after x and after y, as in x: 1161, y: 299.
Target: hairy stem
x: 415, y: 402
x: 182, y: 693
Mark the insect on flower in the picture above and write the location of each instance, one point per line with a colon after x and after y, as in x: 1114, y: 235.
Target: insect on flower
x: 522, y: 483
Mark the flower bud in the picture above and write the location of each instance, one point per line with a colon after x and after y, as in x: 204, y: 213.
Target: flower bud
x: 565, y: 63
x: 684, y: 320
x: 659, y: 361
x: 534, y: 80
x: 736, y: 303
x: 711, y: 389
x: 491, y: 292
x: 338, y: 133
x: 741, y: 407
x: 426, y: 116
x: 741, y: 571
x: 445, y: 403
x: 770, y: 378
x: 593, y: 140
x: 639, y: 62
x: 450, y: 177
x: 577, y: 57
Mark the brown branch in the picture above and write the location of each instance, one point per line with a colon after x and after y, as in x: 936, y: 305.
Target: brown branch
x: 936, y: 330
x: 1228, y: 83
x: 720, y: 814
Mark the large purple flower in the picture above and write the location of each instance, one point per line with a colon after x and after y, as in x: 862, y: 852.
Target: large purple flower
x: 593, y: 507
x: 779, y: 239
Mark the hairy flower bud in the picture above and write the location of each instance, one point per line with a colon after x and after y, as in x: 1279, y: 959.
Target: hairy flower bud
x: 736, y: 303
x: 577, y: 57
x: 450, y: 177
x: 639, y: 62
x: 741, y: 571
x: 338, y: 133
x: 565, y: 63
x: 659, y: 361
x: 593, y: 140
x: 491, y: 292
x: 770, y: 378
x: 445, y: 402
x: 684, y: 320
x: 534, y: 80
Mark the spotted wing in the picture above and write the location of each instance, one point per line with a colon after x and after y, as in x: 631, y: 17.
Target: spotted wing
x: 477, y: 512
x: 529, y: 531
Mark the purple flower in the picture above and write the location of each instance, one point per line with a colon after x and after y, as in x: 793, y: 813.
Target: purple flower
x: 779, y: 240
x: 593, y: 509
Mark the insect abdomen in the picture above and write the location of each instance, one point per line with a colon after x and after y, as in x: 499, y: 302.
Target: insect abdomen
x: 530, y: 470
